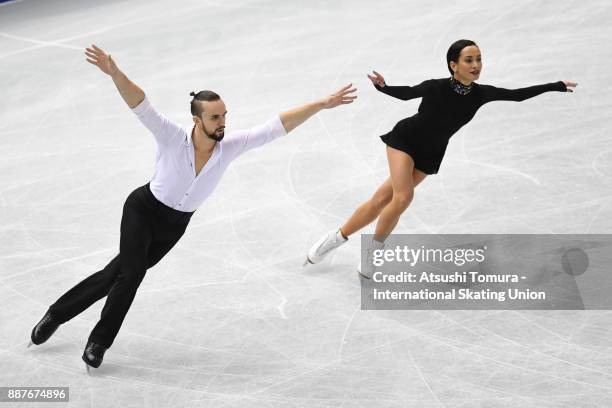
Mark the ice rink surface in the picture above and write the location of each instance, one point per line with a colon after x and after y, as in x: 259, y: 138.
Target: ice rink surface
x: 230, y: 318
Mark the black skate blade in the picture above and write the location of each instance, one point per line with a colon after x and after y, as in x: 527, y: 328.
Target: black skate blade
x: 362, y: 275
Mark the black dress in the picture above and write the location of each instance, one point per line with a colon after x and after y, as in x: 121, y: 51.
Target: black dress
x: 444, y: 109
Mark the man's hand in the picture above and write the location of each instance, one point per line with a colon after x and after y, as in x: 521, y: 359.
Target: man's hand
x: 342, y: 97
x: 296, y: 116
x: 96, y: 56
x: 130, y: 92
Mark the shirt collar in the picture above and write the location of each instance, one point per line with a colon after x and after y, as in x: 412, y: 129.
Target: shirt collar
x: 188, y: 133
x: 459, y: 88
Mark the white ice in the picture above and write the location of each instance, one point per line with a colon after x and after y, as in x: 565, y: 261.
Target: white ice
x: 230, y: 318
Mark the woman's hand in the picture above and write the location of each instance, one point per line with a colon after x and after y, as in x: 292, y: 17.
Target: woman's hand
x: 569, y: 85
x: 96, y: 56
x: 377, y: 79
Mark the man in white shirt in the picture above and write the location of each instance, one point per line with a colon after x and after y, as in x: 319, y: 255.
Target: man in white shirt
x: 189, y: 164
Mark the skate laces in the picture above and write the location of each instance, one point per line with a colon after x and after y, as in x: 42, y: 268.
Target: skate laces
x: 47, y: 318
x: 94, y: 348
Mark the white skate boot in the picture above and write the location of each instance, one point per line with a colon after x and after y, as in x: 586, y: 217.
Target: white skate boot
x: 368, y: 266
x: 327, y: 243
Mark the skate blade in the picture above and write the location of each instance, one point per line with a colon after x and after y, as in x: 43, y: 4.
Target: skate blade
x: 307, y: 262
x: 362, y: 275
x: 30, y: 345
x: 87, y: 368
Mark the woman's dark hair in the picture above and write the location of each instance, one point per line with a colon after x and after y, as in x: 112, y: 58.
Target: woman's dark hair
x: 455, y: 50
x: 196, y: 108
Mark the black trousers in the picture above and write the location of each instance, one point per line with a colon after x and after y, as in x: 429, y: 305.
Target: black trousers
x: 149, y: 229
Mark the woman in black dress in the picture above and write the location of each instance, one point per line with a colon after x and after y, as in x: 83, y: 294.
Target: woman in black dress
x: 416, y: 145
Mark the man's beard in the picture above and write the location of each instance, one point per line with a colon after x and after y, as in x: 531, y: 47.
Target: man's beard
x: 214, y: 135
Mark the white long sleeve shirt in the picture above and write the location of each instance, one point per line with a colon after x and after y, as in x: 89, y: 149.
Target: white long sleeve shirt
x: 174, y: 181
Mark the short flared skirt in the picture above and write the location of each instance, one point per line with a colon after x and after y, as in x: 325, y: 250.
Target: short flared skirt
x: 427, y: 154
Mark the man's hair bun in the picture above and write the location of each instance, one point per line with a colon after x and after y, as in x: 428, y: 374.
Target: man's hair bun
x: 205, y: 95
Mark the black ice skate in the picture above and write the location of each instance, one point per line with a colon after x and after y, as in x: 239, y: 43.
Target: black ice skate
x: 93, y: 355
x: 43, y: 330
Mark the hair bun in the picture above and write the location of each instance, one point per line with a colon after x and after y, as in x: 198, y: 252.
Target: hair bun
x: 192, y: 94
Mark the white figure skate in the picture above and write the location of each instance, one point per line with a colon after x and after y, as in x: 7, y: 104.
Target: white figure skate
x: 327, y: 243
x: 368, y: 266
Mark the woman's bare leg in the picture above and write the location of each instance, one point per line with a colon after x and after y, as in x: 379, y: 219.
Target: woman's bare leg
x: 401, y: 168
x: 368, y: 211
x: 388, y: 195
x: 371, y: 209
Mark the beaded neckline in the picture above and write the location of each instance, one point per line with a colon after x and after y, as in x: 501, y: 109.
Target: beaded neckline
x: 460, y: 88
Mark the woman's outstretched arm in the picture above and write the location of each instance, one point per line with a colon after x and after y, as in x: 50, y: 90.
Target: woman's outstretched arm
x: 401, y: 92
x: 492, y: 93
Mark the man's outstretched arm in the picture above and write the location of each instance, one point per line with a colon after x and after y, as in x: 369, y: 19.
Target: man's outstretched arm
x: 296, y: 116
x: 164, y: 130
x: 130, y: 92
x: 284, y: 122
